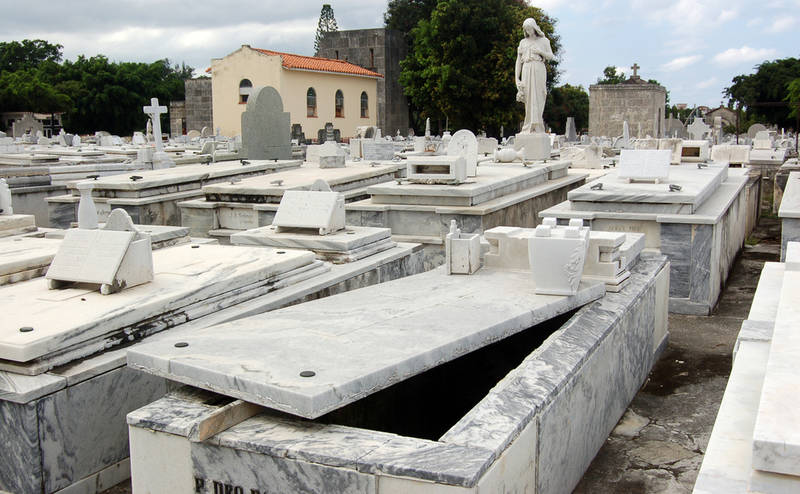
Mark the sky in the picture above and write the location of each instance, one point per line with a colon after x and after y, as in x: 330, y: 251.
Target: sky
x: 692, y: 47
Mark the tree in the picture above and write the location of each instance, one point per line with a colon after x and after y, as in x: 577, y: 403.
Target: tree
x: 29, y: 90
x: 763, y: 93
x: 326, y: 24
x: 27, y: 54
x: 404, y: 15
x: 110, y: 96
x: 610, y: 76
x: 793, y: 97
x: 461, y: 64
x: 567, y: 101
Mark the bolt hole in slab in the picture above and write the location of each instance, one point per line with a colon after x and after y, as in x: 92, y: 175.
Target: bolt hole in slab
x: 308, y: 373
x: 25, y: 329
x: 181, y: 344
x: 429, y: 404
x: 281, y: 252
x: 195, y: 246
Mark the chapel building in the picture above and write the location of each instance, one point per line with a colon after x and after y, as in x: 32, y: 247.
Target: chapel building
x: 314, y: 90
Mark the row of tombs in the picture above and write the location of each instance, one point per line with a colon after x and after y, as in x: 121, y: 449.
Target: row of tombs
x: 260, y: 325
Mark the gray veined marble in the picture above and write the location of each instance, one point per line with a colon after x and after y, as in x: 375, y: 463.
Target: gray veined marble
x: 184, y: 276
x: 536, y: 430
x: 260, y: 359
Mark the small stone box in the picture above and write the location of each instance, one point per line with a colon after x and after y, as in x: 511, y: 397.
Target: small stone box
x: 447, y: 170
x: 462, y: 251
x: 557, y: 255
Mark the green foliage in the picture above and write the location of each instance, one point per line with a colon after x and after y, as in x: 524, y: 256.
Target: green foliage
x: 110, y: 96
x: 762, y: 93
x: 793, y: 97
x: 610, y: 76
x: 461, y: 62
x: 27, y: 54
x: 567, y: 101
x: 95, y: 94
x: 404, y: 15
x: 326, y: 24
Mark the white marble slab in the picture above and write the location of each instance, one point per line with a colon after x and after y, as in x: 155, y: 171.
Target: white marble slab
x: 24, y: 253
x: 184, y: 275
x: 790, y: 204
x: 14, y: 224
x: 352, y: 237
x: 697, y: 185
x: 358, y: 342
x: 188, y: 173
x: 492, y: 181
x: 776, y: 437
x: 304, y: 177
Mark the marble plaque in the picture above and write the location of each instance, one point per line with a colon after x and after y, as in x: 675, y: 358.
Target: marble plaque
x: 641, y: 164
x: 90, y: 256
x: 306, y: 209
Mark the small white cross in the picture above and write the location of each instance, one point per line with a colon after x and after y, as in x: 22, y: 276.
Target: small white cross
x: 154, y: 111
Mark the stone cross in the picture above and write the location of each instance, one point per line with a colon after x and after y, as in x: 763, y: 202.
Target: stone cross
x: 155, y: 111
x: 635, y: 67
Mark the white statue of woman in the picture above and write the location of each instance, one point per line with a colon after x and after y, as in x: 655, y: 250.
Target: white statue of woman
x: 530, y: 74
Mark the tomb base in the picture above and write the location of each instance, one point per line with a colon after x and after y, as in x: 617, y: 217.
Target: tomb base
x: 65, y: 428
x: 511, y: 439
x: 700, y: 233
x: 15, y: 224
x: 536, y: 145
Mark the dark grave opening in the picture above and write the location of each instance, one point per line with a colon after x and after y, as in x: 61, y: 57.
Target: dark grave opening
x: 691, y: 151
x: 431, y: 169
x: 426, y: 406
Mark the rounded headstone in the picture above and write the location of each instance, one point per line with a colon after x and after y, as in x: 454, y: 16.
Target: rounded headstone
x: 755, y: 129
x: 464, y: 143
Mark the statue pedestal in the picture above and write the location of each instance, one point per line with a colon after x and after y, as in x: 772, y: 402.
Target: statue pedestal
x: 536, y: 145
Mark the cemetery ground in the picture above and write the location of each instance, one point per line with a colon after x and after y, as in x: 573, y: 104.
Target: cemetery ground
x: 658, y: 445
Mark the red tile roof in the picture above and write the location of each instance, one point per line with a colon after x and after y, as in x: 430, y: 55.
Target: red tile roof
x: 291, y: 61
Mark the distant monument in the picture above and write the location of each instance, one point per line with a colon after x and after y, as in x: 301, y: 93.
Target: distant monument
x: 266, y: 130
x: 635, y: 100
x: 530, y: 74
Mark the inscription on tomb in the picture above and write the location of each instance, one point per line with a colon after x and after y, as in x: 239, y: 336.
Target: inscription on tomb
x: 90, y: 256
x: 210, y: 486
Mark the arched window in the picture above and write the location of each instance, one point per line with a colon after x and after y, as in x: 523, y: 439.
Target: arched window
x: 311, y: 102
x: 339, y: 104
x: 245, y: 88
x: 364, y: 105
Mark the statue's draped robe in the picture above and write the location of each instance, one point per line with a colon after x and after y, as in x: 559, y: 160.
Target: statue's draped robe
x: 534, y: 80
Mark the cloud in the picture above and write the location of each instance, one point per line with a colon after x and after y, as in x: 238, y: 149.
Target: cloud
x: 707, y: 83
x: 782, y: 24
x: 733, y: 56
x: 688, y: 15
x: 681, y: 62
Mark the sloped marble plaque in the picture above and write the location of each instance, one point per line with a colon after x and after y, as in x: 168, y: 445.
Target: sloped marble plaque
x: 90, y: 256
x: 644, y: 164
x: 307, y: 209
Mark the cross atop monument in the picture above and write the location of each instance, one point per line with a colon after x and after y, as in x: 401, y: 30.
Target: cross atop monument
x: 154, y: 111
x: 635, y: 67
